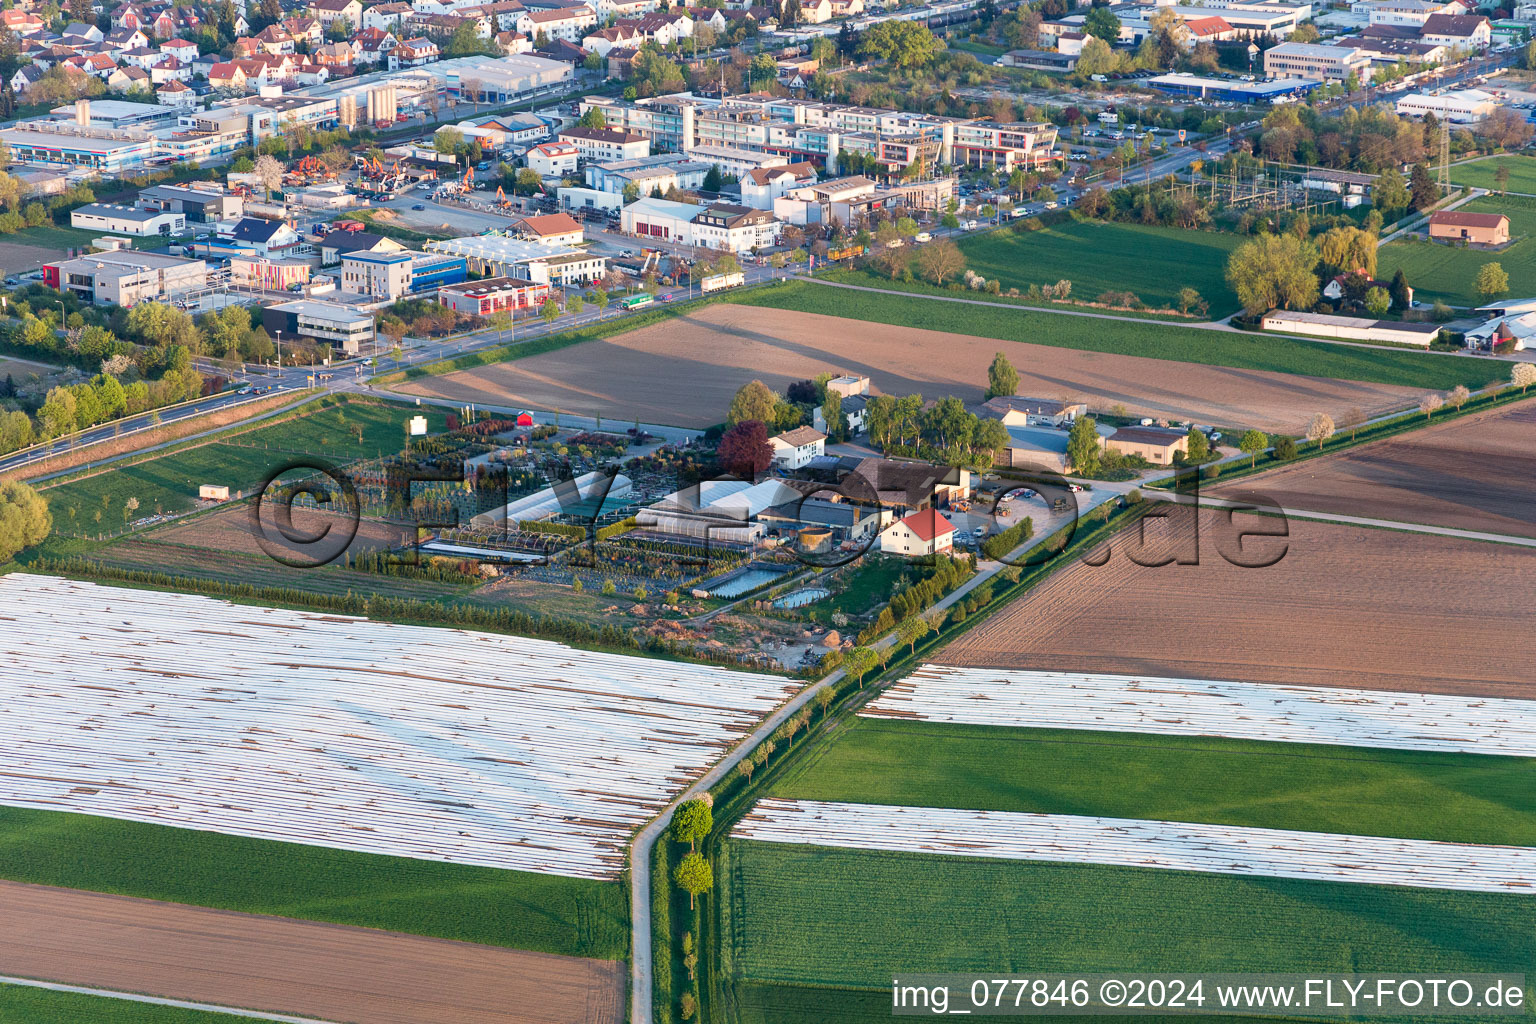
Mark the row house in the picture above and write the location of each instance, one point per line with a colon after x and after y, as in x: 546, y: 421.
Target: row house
x: 662, y: 29
x: 327, y: 12
x: 121, y: 39
x: 613, y: 9
x: 128, y: 78
x: 176, y: 94
x: 373, y: 45
x: 413, y: 53
x: 180, y: 49
x: 603, y: 40
x: 568, y: 23
x: 512, y: 43
x: 306, y: 31
x: 385, y: 17
x: 274, y: 39
x: 334, y: 55
x: 22, y: 23
x: 503, y: 15
x: 170, y: 70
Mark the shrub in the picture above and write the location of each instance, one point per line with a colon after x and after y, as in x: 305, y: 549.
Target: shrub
x: 1285, y: 449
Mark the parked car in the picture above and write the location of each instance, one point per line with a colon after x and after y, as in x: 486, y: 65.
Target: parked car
x: 418, y: 206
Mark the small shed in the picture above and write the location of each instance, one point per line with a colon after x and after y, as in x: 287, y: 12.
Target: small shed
x: 525, y: 419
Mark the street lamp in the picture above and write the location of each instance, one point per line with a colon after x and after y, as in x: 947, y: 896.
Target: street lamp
x: 279, y: 353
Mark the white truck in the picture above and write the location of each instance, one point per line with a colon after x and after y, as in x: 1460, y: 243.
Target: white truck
x: 720, y: 281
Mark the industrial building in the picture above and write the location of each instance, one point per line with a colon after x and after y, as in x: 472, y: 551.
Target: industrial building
x: 1462, y: 106
x: 394, y: 275
x: 1316, y: 62
x: 344, y: 327
x: 500, y: 256
x: 125, y: 277
x: 1351, y: 328
x: 201, y: 202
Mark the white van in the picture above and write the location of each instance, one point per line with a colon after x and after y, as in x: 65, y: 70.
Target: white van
x: 922, y: 236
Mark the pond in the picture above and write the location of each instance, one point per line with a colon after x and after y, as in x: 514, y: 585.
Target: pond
x: 801, y: 598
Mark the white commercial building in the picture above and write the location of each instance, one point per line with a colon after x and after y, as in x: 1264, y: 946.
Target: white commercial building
x: 661, y: 220
x: 1462, y: 106
x: 500, y: 256
x: 126, y: 220
x: 1316, y: 62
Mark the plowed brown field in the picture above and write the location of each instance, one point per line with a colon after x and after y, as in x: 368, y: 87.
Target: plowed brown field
x: 280, y: 965
x: 1476, y: 473
x: 683, y: 372
x: 230, y: 529
x: 1345, y: 606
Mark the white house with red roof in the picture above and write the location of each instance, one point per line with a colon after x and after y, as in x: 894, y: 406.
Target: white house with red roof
x: 180, y: 49
x: 918, y: 535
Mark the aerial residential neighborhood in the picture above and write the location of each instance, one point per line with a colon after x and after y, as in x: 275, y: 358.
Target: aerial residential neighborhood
x: 631, y: 512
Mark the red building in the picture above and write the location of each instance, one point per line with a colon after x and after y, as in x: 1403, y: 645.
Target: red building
x: 493, y: 295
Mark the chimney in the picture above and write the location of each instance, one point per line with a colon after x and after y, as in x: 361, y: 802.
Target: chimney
x: 83, y: 113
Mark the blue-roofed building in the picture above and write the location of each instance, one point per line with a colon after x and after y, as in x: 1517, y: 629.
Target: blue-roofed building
x: 1231, y: 90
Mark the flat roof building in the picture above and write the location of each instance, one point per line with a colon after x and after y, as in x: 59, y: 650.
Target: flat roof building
x: 127, y: 220
x: 344, y: 327
x: 126, y: 277
x: 1316, y: 62
x: 500, y: 256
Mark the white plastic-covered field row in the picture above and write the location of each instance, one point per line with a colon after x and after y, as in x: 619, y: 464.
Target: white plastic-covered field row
x: 1197, y: 707
x: 1128, y: 842
x: 331, y: 730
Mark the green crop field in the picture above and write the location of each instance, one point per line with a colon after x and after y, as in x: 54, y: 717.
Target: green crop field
x: 1448, y: 273
x: 548, y: 913
x: 242, y: 461
x: 1465, y: 798
x: 1135, y: 338
x: 807, y: 915
x: 20, y: 1003
x: 1100, y: 256
x: 1479, y: 173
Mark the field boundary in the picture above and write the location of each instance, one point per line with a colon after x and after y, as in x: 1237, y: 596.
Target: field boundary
x: 177, y: 1004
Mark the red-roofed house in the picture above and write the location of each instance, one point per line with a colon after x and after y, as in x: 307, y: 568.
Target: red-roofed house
x: 919, y: 534
x: 180, y: 49
x: 557, y: 230
x: 1208, y: 30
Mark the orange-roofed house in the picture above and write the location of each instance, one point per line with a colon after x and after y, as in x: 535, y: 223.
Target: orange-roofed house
x: 918, y: 535
x: 556, y: 230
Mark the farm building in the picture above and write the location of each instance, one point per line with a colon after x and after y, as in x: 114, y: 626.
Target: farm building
x: 919, y: 534
x: 717, y: 511
x: 1017, y: 411
x: 1473, y: 228
x: 1043, y: 448
x: 589, y: 494
x: 845, y: 520
x: 903, y: 487
x: 1155, y: 444
x: 794, y: 449
x: 1350, y: 328
x: 1512, y: 330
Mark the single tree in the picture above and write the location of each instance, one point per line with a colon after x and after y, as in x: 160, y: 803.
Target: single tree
x: 1274, y: 271
x: 1523, y: 376
x: 1458, y: 396
x: 859, y: 662
x: 1402, y: 295
x: 692, y: 822
x: 1378, y: 301
x: 24, y: 518
x: 269, y: 172
x: 826, y: 695
x: 1320, y: 429
x: 1002, y: 378
x: 1284, y: 449
x: 1422, y: 190
x: 745, y: 768
x: 940, y: 261
x: 1390, y: 193
x: 1352, y: 419
x: 1083, y: 446
x: 744, y: 450
x: 1197, y: 446
x: 550, y: 311
x: 1430, y: 404
x: 694, y: 877
x: 1501, y: 177
x: 1188, y: 299
x: 1492, y: 281
x: 912, y: 630
x: 753, y: 401
x: 1251, y: 443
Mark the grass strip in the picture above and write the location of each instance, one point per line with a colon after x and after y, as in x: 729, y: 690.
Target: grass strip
x: 1460, y: 798
x: 519, y: 909
x: 1124, y: 337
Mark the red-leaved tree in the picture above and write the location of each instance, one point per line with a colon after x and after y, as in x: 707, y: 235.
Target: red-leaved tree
x: 744, y: 449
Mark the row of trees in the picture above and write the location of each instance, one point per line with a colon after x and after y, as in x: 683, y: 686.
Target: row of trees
x: 946, y: 433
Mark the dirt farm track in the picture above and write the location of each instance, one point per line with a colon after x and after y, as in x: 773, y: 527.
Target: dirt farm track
x: 1345, y: 606
x: 1476, y: 473
x: 683, y: 372
x: 329, y: 972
